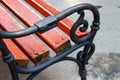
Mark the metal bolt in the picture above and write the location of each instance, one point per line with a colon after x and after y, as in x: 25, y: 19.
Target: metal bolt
x: 36, y: 53
x: 56, y: 42
x: 42, y: 49
x: 63, y: 38
x: 24, y: 56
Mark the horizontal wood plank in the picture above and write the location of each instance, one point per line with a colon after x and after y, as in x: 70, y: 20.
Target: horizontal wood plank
x: 20, y: 58
x: 29, y: 17
x: 46, y: 9
x: 29, y: 44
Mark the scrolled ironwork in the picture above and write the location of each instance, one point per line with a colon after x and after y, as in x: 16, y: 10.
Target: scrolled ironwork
x: 82, y: 21
x: 80, y: 55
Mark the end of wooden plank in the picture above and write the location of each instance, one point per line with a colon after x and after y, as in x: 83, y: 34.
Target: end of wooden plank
x: 41, y: 57
x: 63, y: 46
x: 22, y: 63
x: 19, y: 57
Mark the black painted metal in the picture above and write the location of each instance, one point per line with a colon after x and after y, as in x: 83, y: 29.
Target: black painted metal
x: 20, y: 33
x: 51, y: 61
x: 8, y: 58
x: 45, y: 25
x: 65, y: 58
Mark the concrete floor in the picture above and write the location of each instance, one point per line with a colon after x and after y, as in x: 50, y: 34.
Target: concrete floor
x: 107, y: 40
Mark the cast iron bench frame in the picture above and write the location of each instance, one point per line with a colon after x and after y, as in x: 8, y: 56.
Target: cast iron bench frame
x: 47, y: 24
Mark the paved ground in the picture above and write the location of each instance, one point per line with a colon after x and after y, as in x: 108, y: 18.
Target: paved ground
x: 107, y: 41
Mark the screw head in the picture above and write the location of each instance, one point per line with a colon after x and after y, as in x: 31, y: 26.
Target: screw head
x: 36, y: 53
x: 56, y: 42
x: 24, y: 56
x: 42, y: 49
x: 63, y: 38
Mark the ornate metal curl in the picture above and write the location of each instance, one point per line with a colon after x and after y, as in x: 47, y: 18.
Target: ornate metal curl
x: 80, y: 21
x: 80, y: 55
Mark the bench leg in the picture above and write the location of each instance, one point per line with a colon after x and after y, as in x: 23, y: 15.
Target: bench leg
x: 83, y: 57
x: 9, y: 59
x: 83, y: 78
x: 83, y: 72
x: 13, y: 71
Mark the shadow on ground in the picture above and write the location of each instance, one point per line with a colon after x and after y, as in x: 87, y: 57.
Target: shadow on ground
x: 102, y: 66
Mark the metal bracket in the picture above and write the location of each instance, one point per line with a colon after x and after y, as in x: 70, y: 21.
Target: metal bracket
x: 46, y: 24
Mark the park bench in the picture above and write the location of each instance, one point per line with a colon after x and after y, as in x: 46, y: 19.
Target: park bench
x: 26, y: 36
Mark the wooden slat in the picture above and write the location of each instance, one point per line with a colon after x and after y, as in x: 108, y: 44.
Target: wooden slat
x: 52, y: 37
x: 29, y: 45
x: 47, y: 9
x: 20, y: 58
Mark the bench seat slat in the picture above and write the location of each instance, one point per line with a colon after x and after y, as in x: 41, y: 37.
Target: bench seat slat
x: 29, y: 18
x: 20, y: 58
x: 28, y: 44
x: 46, y: 9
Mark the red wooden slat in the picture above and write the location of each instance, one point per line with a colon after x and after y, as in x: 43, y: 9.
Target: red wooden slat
x: 25, y: 14
x: 19, y: 57
x: 47, y: 9
x: 28, y: 44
